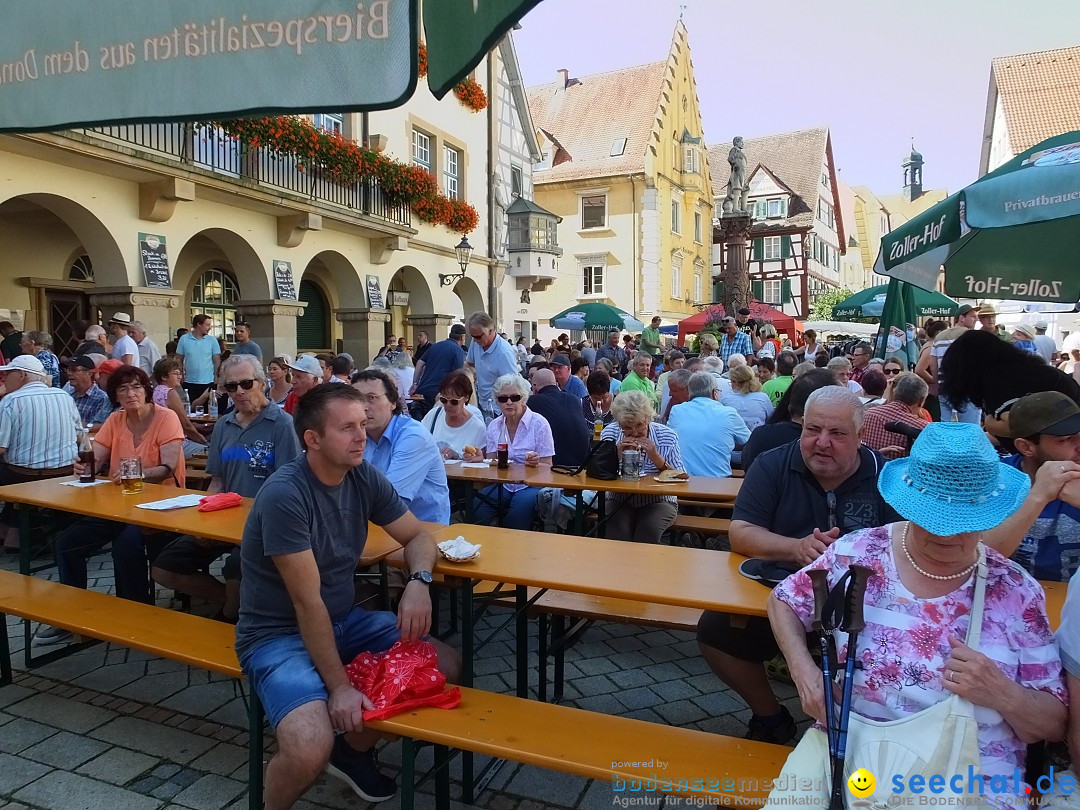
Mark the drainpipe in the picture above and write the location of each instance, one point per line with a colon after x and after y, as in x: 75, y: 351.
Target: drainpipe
x: 493, y: 291
x: 637, y: 236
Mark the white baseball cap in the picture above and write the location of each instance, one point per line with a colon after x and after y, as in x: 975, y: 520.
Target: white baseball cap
x: 27, y: 363
x: 307, y: 364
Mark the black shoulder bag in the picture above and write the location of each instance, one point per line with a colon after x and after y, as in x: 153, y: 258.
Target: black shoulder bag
x: 601, y: 462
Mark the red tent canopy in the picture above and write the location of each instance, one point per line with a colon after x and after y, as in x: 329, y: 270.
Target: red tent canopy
x: 758, y: 311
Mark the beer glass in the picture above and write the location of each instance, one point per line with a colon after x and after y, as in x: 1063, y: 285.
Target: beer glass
x: 131, y: 476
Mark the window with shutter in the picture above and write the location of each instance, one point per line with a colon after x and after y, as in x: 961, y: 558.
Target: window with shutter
x: 759, y: 249
x: 785, y: 291
x: 785, y: 247
x: 313, y: 327
x: 756, y: 289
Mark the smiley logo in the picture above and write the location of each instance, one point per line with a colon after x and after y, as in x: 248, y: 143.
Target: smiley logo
x: 861, y: 783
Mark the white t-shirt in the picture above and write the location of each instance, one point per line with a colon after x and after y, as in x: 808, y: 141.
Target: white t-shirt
x: 124, y: 346
x: 473, y: 432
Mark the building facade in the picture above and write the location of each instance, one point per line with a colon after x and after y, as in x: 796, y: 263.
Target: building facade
x: 170, y: 220
x: 624, y: 167
x: 798, y: 236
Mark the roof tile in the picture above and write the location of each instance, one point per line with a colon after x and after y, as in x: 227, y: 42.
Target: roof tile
x: 586, y: 117
x: 1040, y: 93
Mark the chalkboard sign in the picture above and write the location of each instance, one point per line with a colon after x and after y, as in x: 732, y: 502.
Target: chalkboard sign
x: 374, y: 293
x: 154, y: 260
x: 283, y: 280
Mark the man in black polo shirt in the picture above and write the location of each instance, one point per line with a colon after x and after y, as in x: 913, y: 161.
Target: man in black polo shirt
x: 563, y: 413
x: 795, y: 501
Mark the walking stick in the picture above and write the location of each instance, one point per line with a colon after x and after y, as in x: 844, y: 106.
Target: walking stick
x: 823, y: 624
x: 852, y: 622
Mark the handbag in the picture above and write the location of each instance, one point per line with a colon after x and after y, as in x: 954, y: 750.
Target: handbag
x: 601, y: 462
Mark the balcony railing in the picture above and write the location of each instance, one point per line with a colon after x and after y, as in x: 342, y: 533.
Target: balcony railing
x: 209, y: 147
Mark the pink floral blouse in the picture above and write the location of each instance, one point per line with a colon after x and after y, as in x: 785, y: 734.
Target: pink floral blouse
x: 905, y: 645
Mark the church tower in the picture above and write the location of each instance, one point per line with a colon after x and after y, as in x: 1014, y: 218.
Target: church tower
x: 912, y: 165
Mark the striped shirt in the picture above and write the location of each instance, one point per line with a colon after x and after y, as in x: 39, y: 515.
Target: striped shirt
x: 38, y: 427
x: 667, y: 445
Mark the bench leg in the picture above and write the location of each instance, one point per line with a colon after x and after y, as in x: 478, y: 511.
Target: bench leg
x: 255, y: 752
x: 558, y: 630
x: 442, y: 778
x: 408, y: 773
x: 5, y: 653
x: 24, y: 539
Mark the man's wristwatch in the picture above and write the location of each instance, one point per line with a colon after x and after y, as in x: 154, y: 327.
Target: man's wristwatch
x: 422, y: 576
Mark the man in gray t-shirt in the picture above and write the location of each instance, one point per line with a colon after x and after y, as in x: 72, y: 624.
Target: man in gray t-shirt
x: 247, y: 446
x: 298, y: 627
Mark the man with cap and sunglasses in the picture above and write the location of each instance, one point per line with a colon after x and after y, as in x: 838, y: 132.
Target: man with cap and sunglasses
x: 1044, y: 344
x: 247, y: 446
x: 307, y: 373
x: 92, y: 403
x: 38, y: 432
x: 1043, y: 535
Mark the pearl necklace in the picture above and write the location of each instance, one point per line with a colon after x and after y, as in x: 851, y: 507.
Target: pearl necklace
x: 927, y: 574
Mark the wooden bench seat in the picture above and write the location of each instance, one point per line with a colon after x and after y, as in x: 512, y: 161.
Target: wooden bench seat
x: 192, y: 640
x: 724, y: 770
x: 702, y: 525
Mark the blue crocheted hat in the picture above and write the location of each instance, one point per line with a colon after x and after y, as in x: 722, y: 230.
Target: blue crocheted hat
x: 953, y: 481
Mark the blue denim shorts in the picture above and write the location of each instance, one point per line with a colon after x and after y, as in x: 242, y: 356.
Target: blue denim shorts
x: 283, y: 675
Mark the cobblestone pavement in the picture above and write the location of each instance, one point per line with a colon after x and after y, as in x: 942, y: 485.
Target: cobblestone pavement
x: 113, y: 729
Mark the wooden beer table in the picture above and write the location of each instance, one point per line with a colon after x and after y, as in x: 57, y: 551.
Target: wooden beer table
x: 697, y: 487
x: 106, y: 501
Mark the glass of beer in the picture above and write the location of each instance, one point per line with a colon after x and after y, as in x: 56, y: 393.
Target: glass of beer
x: 131, y: 476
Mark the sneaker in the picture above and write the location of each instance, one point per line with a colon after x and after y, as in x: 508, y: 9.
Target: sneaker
x: 779, y: 729
x: 47, y: 634
x: 360, y: 771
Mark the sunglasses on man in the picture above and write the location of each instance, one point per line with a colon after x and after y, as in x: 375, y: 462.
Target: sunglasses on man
x: 245, y: 384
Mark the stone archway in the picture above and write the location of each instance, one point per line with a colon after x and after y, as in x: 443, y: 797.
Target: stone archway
x: 419, y: 313
x: 472, y: 300
x: 225, y: 259
x: 45, y: 236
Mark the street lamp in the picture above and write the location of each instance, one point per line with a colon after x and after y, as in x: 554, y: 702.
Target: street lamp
x: 464, y: 253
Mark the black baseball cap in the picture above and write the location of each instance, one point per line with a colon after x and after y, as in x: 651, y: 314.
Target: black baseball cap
x: 965, y: 309
x: 82, y: 361
x: 457, y: 329
x: 1049, y: 412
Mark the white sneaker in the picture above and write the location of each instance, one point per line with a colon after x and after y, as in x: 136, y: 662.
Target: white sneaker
x: 46, y: 635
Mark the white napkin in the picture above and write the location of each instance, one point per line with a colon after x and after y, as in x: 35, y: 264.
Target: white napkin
x: 476, y: 465
x: 87, y: 484
x: 179, y: 502
x: 459, y: 548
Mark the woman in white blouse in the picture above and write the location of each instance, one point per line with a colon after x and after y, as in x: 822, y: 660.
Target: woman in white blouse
x: 454, y: 423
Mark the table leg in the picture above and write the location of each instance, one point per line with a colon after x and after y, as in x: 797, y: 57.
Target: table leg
x: 255, y: 751
x: 24, y: 539
x: 542, y: 656
x: 579, y: 512
x: 601, y: 514
x: 521, y: 633
x: 467, y: 640
x: 408, y: 772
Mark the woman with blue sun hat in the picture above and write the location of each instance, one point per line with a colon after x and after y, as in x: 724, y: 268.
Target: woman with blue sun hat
x: 958, y: 664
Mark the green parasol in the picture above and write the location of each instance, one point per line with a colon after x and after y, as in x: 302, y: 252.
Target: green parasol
x: 870, y: 303
x: 1014, y: 233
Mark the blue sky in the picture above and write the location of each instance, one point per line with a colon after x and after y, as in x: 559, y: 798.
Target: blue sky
x: 877, y: 74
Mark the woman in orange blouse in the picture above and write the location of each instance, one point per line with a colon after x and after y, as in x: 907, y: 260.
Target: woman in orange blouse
x: 139, y: 429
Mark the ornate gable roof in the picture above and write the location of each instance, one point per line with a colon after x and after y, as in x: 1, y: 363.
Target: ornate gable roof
x: 590, y: 115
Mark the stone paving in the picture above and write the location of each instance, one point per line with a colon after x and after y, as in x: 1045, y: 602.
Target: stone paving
x: 114, y: 729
